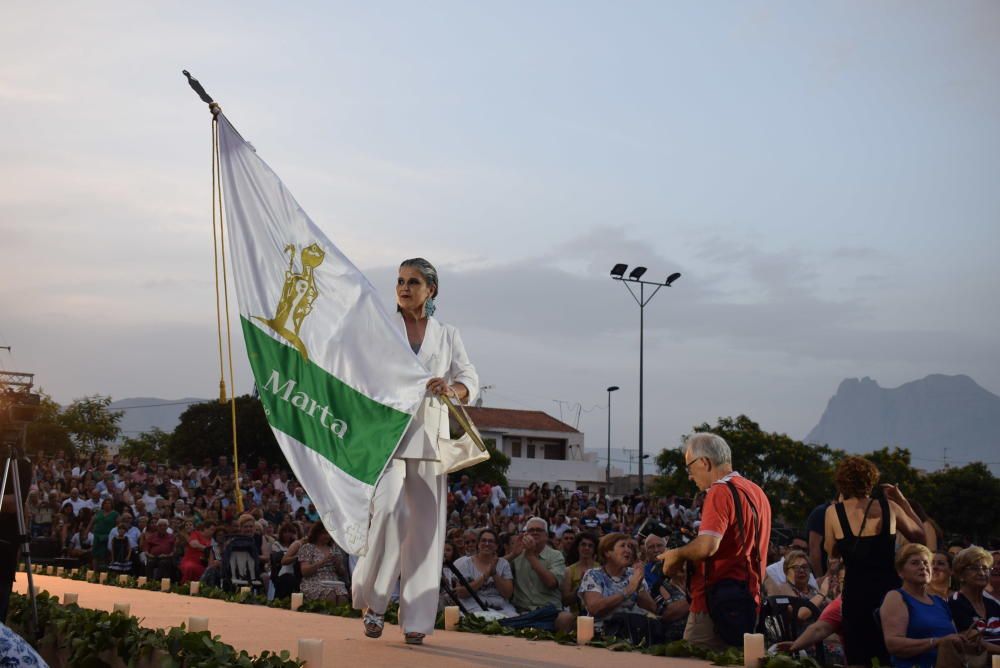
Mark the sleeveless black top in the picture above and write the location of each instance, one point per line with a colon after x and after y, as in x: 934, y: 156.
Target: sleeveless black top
x: 869, y: 575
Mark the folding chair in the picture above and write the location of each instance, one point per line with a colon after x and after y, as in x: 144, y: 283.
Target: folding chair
x: 782, y: 622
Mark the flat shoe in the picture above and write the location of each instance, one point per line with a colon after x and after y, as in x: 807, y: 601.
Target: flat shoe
x: 374, y: 623
x: 414, y: 638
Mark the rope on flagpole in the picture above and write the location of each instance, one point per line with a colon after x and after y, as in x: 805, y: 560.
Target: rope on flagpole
x: 219, y: 249
x: 215, y: 265
x: 225, y: 298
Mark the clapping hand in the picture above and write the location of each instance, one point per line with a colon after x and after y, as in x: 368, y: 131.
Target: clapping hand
x: 638, y: 574
x: 516, y: 546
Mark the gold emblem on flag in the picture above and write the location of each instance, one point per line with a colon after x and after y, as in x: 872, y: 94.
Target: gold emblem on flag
x: 297, y: 296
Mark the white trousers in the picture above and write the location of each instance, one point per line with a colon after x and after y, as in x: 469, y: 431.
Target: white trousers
x: 405, y: 543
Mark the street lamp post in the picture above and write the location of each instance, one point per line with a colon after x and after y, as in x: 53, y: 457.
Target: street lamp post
x: 635, y: 276
x: 613, y: 388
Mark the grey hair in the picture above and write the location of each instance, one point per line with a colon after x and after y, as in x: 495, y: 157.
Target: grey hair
x: 545, y: 525
x: 712, y: 447
x: 426, y: 270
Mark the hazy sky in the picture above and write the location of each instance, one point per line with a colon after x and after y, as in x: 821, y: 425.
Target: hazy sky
x: 823, y: 174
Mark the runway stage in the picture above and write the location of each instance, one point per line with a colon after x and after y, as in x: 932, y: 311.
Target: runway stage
x: 257, y: 628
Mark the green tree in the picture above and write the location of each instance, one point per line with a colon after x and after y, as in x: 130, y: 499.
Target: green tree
x: 205, y: 430
x: 90, y: 424
x: 894, y: 467
x: 493, y: 470
x: 963, y: 501
x: 149, y: 446
x: 796, y: 477
x: 47, y: 433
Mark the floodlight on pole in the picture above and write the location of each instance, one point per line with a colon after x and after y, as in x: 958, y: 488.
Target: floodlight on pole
x: 635, y: 276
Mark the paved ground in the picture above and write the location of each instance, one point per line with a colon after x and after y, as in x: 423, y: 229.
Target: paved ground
x: 256, y: 628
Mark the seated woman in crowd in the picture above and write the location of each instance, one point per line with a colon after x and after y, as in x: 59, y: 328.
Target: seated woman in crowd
x: 105, y: 519
x: 914, y: 622
x: 488, y: 575
x: 797, y: 572
x: 284, y: 555
x: 619, y: 585
x: 969, y: 606
x: 941, y: 575
x: 323, y: 566
x: 213, y: 571
x: 197, y: 542
x: 581, y: 558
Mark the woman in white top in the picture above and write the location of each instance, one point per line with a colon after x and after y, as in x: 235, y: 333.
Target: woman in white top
x: 488, y: 575
x: 407, y: 531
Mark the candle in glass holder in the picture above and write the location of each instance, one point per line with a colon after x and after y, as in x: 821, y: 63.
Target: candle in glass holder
x: 753, y: 649
x: 451, y: 615
x: 122, y: 579
x: 165, y: 584
x: 60, y: 571
x: 141, y: 581
x: 102, y: 578
x: 296, y: 600
x: 244, y: 590
x: 584, y: 629
x: 69, y: 598
x: 195, y: 588
x: 996, y: 661
x: 197, y: 624
x: 51, y: 570
x: 123, y: 608
x: 311, y: 652
x: 74, y: 572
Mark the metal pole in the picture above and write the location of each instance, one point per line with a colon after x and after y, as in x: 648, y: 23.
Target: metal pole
x: 607, y: 476
x: 642, y: 313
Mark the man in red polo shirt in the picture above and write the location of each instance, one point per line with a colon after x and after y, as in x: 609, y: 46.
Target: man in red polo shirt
x: 731, y: 554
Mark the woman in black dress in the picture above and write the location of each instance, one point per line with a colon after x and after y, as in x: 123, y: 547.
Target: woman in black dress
x: 862, y: 531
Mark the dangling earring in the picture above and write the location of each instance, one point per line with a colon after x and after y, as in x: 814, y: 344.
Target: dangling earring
x: 429, y: 307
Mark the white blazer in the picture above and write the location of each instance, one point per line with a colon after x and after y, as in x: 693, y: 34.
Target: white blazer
x: 443, y: 355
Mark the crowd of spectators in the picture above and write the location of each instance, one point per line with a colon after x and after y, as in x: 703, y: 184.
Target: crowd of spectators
x: 540, y: 556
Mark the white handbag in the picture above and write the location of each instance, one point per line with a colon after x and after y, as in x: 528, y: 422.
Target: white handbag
x: 468, y: 450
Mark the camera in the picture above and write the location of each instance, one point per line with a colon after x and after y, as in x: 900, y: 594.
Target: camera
x: 652, y: 526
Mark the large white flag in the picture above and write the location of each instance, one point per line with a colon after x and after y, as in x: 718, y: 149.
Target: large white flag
x: 337, y: 379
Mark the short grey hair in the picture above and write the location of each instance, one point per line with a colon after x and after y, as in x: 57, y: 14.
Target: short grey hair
x: 537, y: 520
x: 710, y: 446
x: 426, y: 270
x: 652, y: 538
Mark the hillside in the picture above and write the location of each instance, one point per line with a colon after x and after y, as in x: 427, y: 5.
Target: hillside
x: 927, y: 416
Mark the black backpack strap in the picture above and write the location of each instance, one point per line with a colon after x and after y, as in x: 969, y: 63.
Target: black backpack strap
x: 739, y: 523
x: 755, y: 552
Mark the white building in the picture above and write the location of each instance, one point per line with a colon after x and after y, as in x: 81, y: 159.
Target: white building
x: 541, y: 449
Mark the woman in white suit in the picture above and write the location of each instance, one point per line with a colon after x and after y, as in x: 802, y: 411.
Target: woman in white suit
x: 407, y: 532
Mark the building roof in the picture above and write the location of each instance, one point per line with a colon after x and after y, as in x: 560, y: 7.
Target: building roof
x: 505, y: 418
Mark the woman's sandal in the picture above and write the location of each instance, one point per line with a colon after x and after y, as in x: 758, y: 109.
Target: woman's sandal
x: 374, y: 623
x: 414, y: 638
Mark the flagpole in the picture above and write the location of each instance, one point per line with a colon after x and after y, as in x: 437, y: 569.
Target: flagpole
x: 219, y: 250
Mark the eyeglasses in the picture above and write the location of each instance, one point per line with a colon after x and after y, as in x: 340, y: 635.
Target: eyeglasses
x: 691, y: 463
x: 800, y: 567
x: 982, y: 568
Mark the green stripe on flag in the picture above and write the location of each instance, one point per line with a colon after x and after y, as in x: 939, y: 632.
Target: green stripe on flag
x: 356, y: 433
